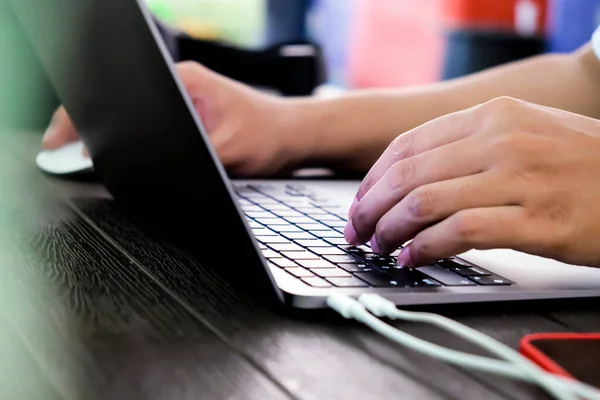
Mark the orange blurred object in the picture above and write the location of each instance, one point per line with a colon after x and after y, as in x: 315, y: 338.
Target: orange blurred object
x: 402, y: 42
x: 490, y: 14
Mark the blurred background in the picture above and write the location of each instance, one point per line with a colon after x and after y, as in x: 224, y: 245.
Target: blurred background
x: 305, y: 47
x: 385, y: 43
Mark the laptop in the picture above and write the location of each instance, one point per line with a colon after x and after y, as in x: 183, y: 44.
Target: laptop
x: 279, y: 240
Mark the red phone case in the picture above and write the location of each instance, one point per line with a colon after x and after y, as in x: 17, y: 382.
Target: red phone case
x: 529, y: 350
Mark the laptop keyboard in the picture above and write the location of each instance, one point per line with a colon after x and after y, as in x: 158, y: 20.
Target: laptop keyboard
x: 302, y: 234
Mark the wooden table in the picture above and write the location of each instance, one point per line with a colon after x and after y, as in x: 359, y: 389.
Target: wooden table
x: 93, y: 307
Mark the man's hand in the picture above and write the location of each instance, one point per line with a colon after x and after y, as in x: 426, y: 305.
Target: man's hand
x: 248, y: 128
x: 506, y: 174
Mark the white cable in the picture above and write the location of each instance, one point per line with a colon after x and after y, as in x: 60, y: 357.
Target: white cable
x: 384, y: 308
x: 518, y: 366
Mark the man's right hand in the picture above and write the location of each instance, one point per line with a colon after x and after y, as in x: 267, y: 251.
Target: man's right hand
x: 250, y: 130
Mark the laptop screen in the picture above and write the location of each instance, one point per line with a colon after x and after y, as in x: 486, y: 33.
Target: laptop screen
x: 117, y: 81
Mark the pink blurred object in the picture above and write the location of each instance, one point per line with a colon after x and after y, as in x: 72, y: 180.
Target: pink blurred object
x: 396, y: 43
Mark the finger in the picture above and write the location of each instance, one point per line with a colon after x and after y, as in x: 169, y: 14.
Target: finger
x: 433, y: 203
x: 480, y: 229
x: 436, y: 133
x: 60, y: 132
x: 447, y: 162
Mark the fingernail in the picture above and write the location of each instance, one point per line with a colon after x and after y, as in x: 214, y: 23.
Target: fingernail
x: 375, y: 245
x: 353, y: 207
x: 404, y: 258
x: 350, y: 233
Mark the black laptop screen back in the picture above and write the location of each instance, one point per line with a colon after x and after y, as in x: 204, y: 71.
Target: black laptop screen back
x: 105, y: 61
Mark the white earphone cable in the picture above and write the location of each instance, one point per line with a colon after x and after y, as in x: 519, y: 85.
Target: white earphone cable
x: 369, y: 307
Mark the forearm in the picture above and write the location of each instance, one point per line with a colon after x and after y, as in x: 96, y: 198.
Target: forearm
x: 351, y: 132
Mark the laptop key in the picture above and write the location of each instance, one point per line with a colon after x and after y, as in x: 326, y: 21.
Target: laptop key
x: 329, y: 234
x: 316, y: 282
x: 335, y: 224
x: 285, y: 228
x: 300, y: 255
x: 308, y: 243
x: 289, y: 213
x: 445, y: 276
x: 260, y: 214
x: 313, y: 227
x: 270, y: 254
x: 300, y: 235
x: 272, y: 239
x: 300, y: 220
x: 285, y: 247
x: 352, y: 268
x: 300, y: 272
x: 327, y: 251
x: 491, y: 280
x: 312, y: 264
x: 347, y: 282
x: 331, y: 273
x: 275, y: 207
x: 254, y: 225
x: 326, y: 218
x: 380, y: 279
x: 413, y: 277
x: 262, y: 246
x: 283, y: 262
x: 252, y: 208
x: 272, y: 221
x: 347, y: 259
x: 337, y: 241
x: 263, y: 232
x: 470, y: 271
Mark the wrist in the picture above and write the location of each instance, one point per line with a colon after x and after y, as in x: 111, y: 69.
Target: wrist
x: 339, y: 133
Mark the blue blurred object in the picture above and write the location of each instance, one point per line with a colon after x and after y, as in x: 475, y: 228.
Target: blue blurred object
x: 329, y: 24
x: 571, y: 23
x: 286, y: 21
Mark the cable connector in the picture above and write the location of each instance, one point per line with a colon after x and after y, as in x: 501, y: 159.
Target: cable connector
x: 377, y: 305
x: 346, y: 306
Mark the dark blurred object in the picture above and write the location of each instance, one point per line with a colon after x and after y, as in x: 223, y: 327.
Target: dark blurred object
x: 571, y: 24
x: 27, y: 99
x: 286, y: 21
x: 292, y: 69
x: 473, y: 51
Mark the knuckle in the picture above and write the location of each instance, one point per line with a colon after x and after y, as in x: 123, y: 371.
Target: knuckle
x: 402, y: 147
x: 366, y: 185
x: 502, y: 104
x: 422, y: 203
x: 385, y: 232
x: 421, y: 249
x: 361, y: 218
x: 467, y: 228
x: 401, y: 173
x: 556, y: 209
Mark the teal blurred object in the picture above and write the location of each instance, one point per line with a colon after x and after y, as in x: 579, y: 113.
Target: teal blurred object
x: 27, y: 99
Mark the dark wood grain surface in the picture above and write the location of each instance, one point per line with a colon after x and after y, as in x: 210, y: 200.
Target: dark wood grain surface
x: 93, y: 306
